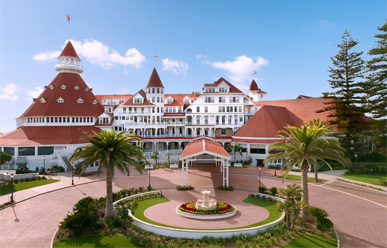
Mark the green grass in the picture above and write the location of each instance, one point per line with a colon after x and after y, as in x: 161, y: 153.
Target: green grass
x: 97, y: 241
x: 22, y: 186
x: 311, y: 241
x: 297, y: 178
x: 269, y: 206
x: 366, y: 178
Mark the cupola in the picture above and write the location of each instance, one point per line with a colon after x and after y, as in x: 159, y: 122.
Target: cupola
x: 69, y: 60
x: 256, y: 93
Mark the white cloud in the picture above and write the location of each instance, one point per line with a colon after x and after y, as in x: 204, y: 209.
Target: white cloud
x: 98, y: 53
x: 175, y: 66
x: 242, y: 87
x: 46, y: 56
x: 34, y: 93
x: 125, y: 72
x: 8, y: 92
x: 199, y: 56
x: 242, y: 68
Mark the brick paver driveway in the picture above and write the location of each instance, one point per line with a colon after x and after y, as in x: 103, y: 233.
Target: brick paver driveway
x: 359, y: 214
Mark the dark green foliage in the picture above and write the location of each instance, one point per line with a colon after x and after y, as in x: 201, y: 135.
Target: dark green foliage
x: 371, y: 157
x: 324, y: 224
x: 4, y: 158
x: 318, y: 213
x: 58, y: 168
x: 262, y: 189
x: 188, y: 187
x: 367, y: 169
x: 21, y: 171
x: 273, y: 190
x: 320, y: 217
x: 227, y: 188
x: 346, y: 97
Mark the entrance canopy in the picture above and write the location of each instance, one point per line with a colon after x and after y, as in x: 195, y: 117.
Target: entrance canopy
x: 198, y: 151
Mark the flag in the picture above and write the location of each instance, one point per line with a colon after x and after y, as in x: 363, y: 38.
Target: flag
x: 68, y: 18
x: 156, y: 56
x: 254, y: 72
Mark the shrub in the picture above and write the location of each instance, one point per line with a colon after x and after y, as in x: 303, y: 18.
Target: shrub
x: 324, y: 224
x: 58, y: 168
x: 318, y: 213
x: 184, y: 187
x: 273, y: 190
x: 228, y: 188
x: 262, y: 189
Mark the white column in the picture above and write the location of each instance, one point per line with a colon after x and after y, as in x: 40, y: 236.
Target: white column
x: 227, y: 169
x: 186, y: 175
x: 182, y: 172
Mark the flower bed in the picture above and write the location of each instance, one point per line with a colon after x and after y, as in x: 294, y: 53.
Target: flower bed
x: 221, y: 208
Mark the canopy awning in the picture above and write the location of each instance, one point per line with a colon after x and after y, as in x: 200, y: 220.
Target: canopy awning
x: 204, y: 146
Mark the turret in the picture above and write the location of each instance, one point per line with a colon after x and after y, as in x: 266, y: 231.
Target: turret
x: 256, y: 93
x: 69, y: 60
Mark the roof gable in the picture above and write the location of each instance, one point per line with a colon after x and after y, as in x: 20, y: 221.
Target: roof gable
x: 253, y: 85
x: 233, y: 89
x: 154, y: 80
x: 204, y: 146
x: 69, y: 51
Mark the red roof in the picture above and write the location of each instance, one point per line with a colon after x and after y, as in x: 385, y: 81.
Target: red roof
x: 253, y: 85
x: 154, y: 80
x: 46, y: 135
x: 267, y: 122
x: 70, y: 95
x: 69, y: 51
x: 204, y: 146
x: 124, y: 97
x: 304, y: 108
x: 233, y: 89
x: 129, y: 102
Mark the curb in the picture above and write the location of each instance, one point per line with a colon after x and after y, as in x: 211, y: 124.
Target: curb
x: 338, y: 238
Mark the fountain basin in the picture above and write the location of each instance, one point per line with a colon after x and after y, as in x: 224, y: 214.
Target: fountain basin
x: 206, y: 216
x: 219, y: 210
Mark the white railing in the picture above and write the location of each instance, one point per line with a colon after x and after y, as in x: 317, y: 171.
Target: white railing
x: 61, y: 162
x: 69, y: 66
x: 135, y: 112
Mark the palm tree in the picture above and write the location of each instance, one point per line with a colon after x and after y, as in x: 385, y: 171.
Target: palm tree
x: 169, y: 157
x: 112, y: 150
x: 304, y: 146
x: 155, y: 156
x: 290, y: 193
x: 234, y: 148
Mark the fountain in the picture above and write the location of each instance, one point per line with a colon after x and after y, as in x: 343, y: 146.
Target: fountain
x: 206, y: 209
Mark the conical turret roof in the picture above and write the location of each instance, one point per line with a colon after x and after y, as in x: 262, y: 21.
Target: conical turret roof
x: 253, y: 85
x: 154, y: 80
x: 69, y: 51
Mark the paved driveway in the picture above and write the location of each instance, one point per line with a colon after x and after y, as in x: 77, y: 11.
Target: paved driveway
x: 359, y: 214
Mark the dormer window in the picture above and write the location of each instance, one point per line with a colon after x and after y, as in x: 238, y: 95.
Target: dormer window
x: 60, y: 100
x: 51, y: 87
x: 42, y: 100
x: 137, y: 100
x: 76, y: 87
x: 95, y: 101
x: 87, y: 89
x: 63, y: 87
x: 170, y: 101
x: 80, y: 100
x: 186, y: 101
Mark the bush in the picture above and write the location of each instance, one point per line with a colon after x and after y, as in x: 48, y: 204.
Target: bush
x: 228, y: 188
x: 367, y: 169
x: 21, y: 171
x: 318, y: 213
x: 324, y: 224
x: 273, y: 191
x: 58, y: 168
x: 188, y: 187
x: 262, y: 189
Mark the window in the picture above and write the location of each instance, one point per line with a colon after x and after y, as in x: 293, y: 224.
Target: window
x: 240, y: 108
x: 180, y: 109
x: 186, y: 101
x: 229, y: 119
x: 42, y: 100
x: 222, y: 99
x: 26, y: 151
x: 95, y: 101
x: 223, y: 132
x: 198, y: 109
x: 60, y: 119
x: 80, y: 100
x: 76, y: 87
x: 51, y: 87
x: 161, y: 91
x: 220, y: 109
x: 138, y: 100
x: 261, y: 95
x: 9, y: 150
x: 174, y: 109
x: 223, y: 119
x: 153, y: 90
x: 206, y: 109
x: 257, y: 150
x: 45, y: 150
x: 153, y: 99
x: 68, y: 119
x: 63, y: 87
x: 198, y: 120
x: 158, y: 99
x: 206, y: 120
x: 158, y: 90
x: 217, y: 120
x: 170, y: 101
x: 87, y: 89
x: 47, y: 119
x: 240, y: 119
x: 60, y: 100
x: 235, y: 119
x: 235, y: 109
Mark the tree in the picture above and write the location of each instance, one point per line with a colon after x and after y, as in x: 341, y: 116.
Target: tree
x: 113, y: 150
x: 169, y: 157
x: 155, y: 156
x: 292, y: 205
x: 4, y: 158
x: 304, y: 146
x: 376, y: 88
x: 346, y: 99
x: 234, y: 148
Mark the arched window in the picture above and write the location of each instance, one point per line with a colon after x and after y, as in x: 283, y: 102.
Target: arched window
x: 76, y: 87
x: 80, y: 100
x: 42, y: 100
x: 60, y: 100
x: 63, y: 86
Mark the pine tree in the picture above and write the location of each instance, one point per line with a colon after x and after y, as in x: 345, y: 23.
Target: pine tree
x: 346, y: 97
x: 376, y: 88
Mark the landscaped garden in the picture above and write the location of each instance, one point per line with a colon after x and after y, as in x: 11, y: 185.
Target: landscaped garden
x: 372, y: 173
x: 18, y: 185
x: 296, y: 178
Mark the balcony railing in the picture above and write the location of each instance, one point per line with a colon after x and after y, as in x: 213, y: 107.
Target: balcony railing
x: 135, y: 112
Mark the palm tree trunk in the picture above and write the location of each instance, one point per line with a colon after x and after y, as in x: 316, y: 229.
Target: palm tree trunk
x: 315, y: 173
x: 109, y: 212
x: 304, y: 183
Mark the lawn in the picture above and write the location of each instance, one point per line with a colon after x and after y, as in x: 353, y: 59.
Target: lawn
x: 311, y: 241
x: 97, y: 241
x: 297, y: 178
x: 366, y: 178
x: 27, y: 185
x: 269, y: 206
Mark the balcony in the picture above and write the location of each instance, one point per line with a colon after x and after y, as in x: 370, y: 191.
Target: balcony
x: 135, y: 112
x: 68, y: 67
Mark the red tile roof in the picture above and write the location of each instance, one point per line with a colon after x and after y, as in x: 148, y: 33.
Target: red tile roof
x: 304, y: 108
x: 154, y: 80
x: 253, y: 85
x: 129, y: 102
x: 178, y: 99
x: 70, y: 95
x: 233, y: 89
x: 267, y: 122
x: 204, y: 146
x: 69, y: 51
x: 46, y: 135
x: 124, y: 97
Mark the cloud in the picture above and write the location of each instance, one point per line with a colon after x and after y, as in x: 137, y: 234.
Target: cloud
x: 241, y: 69
x: 199, y: 56
x: 175, y: 66
x: 8, y: 92
x: 46, y: 56
x: 125, y: 72
x: 34, y: 93
x: 98, y: 53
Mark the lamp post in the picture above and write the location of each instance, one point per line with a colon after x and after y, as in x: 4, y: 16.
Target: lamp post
x: 275, y: 170
x: 72, y: 174
x: 149, y: 172
x: 44, y: 164
x: 259, y: 185
x: 355, y: 158
x: 12, y: 188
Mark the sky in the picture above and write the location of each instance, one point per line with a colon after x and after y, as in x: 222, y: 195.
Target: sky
x: 287, y: 43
